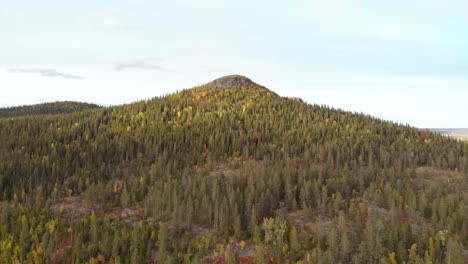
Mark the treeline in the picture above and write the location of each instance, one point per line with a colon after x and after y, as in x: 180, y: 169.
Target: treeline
x: 353, y: 180
x: 45, y: 108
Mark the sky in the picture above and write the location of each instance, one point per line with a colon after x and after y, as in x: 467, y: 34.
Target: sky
x: 405, y: 61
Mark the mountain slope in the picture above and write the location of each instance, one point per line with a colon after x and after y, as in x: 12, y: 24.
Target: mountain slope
x: 222, y: 159
x: 46, y: 108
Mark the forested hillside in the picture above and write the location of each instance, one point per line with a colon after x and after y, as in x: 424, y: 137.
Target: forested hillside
x: 229, y: 172
x: 45, y: 108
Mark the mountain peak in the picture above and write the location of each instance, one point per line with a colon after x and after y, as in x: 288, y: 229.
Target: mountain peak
x: 230, y: 81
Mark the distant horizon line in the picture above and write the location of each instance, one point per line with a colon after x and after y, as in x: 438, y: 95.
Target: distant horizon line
x: 433, y: 129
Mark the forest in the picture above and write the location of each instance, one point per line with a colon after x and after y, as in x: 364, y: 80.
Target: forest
x: 227, y: 172
x: 45, y: 108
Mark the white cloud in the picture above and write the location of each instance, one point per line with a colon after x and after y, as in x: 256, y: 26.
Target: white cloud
x: 152, y: 63
x: 46, y: 72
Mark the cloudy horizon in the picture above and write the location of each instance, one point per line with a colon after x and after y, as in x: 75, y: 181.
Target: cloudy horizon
x: 400, y: 61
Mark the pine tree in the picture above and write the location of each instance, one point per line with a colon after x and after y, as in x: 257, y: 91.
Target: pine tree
x: 454, y: 251
x: 162, y: 241
x: 294, y: 243
x: 24, y: 237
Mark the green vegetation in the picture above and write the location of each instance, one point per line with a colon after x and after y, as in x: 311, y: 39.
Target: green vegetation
x: 45, y: 108
x: 219, y: 175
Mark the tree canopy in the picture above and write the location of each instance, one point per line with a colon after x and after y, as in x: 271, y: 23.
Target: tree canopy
x: 209, y: 175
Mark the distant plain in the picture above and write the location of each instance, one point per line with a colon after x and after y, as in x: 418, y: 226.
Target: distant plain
x: 460, y: 133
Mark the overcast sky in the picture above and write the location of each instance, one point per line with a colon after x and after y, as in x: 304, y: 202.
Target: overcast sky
x: 405, y: 61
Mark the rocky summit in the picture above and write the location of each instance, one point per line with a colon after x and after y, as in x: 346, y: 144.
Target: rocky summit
x: 230, y: 81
